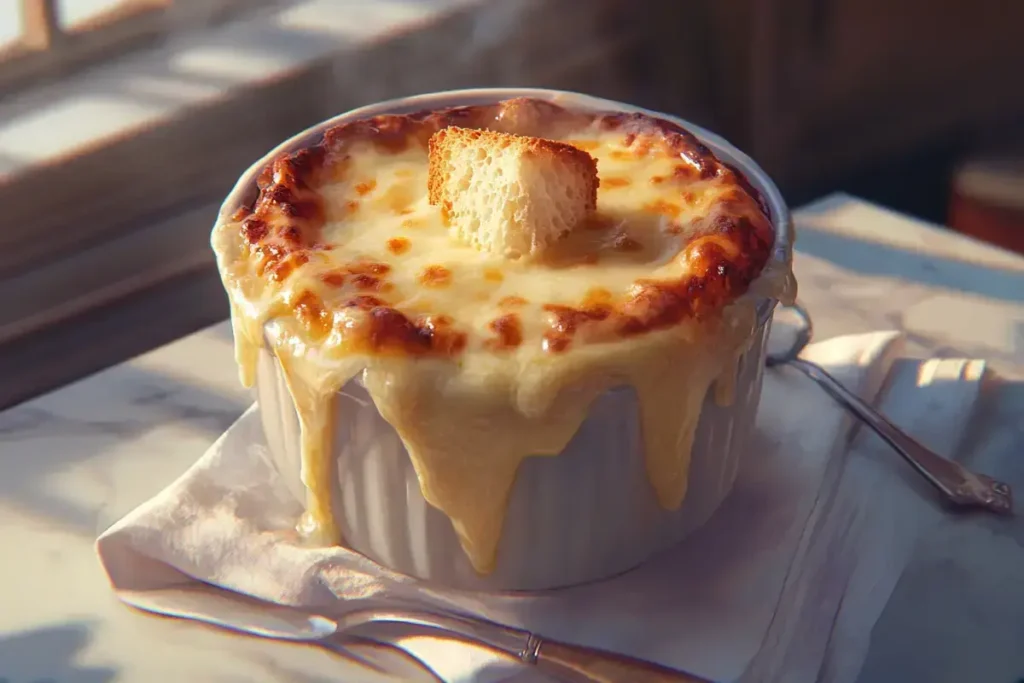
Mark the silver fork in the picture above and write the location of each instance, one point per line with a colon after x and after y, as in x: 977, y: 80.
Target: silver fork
x: 562, y: 661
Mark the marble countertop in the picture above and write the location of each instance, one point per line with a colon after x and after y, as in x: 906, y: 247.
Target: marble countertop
x: 75, y: 460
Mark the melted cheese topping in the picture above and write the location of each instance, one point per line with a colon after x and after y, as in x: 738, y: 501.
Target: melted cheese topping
x: 468, y: 419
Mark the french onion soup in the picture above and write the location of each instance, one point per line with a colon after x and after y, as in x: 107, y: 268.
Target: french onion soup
x: 486, y: 272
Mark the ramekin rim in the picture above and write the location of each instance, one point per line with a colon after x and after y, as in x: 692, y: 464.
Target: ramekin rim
x: 781, y: 218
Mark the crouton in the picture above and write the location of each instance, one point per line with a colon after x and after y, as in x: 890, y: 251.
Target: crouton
x: 509, y: 194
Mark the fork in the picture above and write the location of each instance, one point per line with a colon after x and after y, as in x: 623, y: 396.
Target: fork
x: 562, y: 661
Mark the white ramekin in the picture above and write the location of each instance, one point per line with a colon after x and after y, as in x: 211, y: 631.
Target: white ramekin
x: 584, y: 515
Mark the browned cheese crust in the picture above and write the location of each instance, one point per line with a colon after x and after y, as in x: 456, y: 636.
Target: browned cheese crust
x: 282, y: 229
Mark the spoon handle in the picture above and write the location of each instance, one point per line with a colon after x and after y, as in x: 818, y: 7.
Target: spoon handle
x: 575, y: 664
x: 957, y: 484
x: 562, y: 661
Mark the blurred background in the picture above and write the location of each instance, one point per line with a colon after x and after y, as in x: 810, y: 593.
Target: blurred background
x: 124, y: 122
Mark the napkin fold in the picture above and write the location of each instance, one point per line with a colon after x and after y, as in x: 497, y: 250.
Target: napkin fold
x: 729, y: 603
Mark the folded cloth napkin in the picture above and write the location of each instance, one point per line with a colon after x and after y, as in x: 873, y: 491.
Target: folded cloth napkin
x: 729, y: 603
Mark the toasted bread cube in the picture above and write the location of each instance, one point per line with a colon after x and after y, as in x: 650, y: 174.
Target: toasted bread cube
x: 508, y: 194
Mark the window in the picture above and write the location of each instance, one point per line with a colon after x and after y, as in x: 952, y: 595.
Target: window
x: 95, y: 148
x: 49, y: 38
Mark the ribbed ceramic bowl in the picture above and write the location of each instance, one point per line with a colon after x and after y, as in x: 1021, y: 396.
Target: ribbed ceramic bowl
x: 585, y: 515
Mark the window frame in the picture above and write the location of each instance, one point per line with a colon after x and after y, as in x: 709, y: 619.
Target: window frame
x: 46, y: 49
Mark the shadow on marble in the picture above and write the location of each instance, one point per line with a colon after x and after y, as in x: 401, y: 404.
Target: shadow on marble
x: 49, y: 655
x: 165, y: 400
x: 224, y: 331
x: 883, y: 260
x: 46, y: 438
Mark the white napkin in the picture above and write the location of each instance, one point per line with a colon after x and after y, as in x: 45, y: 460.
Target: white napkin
x: 730, y: 603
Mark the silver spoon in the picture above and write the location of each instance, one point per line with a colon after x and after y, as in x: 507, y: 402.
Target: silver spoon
x: 957, y: 484
x: 562, y: 661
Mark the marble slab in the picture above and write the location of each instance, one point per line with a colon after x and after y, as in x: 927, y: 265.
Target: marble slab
x: 70, y: 465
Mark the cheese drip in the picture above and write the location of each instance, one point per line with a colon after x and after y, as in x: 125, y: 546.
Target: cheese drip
x: 466, y: 444
x: 468, y: 426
